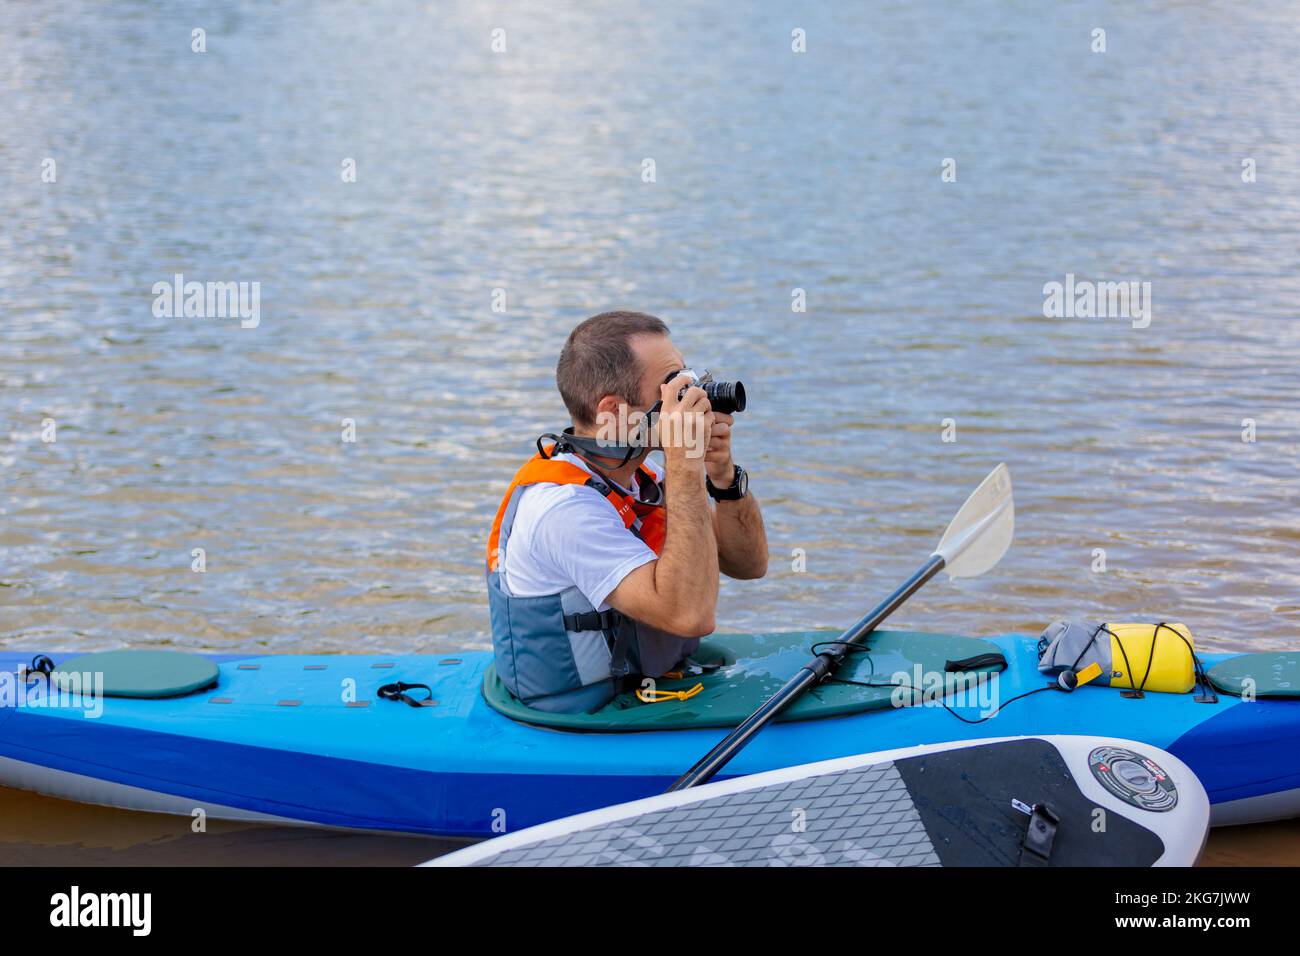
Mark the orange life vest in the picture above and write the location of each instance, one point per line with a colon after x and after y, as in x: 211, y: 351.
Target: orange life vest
x: 648, y: 521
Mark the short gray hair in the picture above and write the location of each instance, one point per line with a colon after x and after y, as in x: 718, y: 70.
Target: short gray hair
x: 597, y: 360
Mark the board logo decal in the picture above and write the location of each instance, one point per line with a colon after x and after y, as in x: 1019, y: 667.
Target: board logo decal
x: 1137, y: 780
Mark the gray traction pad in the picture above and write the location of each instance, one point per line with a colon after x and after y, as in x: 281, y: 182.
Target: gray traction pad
x: 858, y: 817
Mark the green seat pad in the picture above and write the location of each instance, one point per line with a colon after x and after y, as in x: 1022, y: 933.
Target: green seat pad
x: 754, y: 668
x: 138, y: 673
x: 1273, y: 675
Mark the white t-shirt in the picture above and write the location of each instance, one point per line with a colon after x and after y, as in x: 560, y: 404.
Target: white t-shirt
x: 570, y: 536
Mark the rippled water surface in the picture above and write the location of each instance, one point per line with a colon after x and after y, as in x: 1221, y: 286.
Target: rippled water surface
x: 522, y: 171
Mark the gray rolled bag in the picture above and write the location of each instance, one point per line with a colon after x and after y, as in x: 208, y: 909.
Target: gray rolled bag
x: 1156, y: 657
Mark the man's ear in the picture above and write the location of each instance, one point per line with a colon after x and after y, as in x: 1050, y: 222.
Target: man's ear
x: 608, y: 406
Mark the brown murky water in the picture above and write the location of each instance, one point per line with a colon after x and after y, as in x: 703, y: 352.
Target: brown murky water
x: 522, y: 173
x: 41, y: 831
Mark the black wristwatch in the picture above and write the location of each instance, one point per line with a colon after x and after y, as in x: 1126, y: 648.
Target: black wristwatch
x: 739, y: 487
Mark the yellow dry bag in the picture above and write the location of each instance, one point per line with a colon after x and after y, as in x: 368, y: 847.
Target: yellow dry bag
x: 1154, y: 657
x: 1158, y: 657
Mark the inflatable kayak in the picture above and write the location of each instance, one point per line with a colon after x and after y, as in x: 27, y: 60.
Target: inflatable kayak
x: 1019, y: 801
x: 309, y: 739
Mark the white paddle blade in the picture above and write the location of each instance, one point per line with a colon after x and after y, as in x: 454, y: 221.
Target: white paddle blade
x: 981, y: 532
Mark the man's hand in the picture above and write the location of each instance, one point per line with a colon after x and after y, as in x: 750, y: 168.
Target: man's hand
x: 679, y: 592
x: 685, y: 424
x: 717, y: 461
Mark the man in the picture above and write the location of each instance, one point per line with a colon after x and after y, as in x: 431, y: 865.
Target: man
x: 602, y: 567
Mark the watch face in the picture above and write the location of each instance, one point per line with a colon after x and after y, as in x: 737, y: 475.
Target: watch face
x: 742, y: 481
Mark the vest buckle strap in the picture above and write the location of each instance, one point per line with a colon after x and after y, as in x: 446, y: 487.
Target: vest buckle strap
x: 592, y: 621
x: 620, y: 633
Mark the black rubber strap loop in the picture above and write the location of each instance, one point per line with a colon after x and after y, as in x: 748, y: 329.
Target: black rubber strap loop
x: 975, y: 663
x: 41, y: 665
x: 398, y: 691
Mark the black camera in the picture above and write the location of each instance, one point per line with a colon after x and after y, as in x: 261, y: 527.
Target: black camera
x: 725, y: 397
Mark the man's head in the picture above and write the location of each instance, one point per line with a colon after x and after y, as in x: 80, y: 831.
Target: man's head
x: 612, y: 359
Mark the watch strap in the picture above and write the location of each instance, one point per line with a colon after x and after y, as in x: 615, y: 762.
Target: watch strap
x: 732, y: 493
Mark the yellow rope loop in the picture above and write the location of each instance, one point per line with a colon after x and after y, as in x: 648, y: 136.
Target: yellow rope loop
x: 659, y: 696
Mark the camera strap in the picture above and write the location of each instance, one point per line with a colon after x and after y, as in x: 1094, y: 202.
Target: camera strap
x: 588, y: 448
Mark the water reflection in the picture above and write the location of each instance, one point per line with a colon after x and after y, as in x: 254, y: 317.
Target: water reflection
x: 522, y: 172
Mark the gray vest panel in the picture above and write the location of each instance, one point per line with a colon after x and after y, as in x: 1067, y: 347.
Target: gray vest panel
x: 552, y: 668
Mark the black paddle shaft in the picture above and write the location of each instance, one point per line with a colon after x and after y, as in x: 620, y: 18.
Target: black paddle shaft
x: 814, y: 672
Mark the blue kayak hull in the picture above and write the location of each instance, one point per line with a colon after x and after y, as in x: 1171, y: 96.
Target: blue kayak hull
x: 282, y: 738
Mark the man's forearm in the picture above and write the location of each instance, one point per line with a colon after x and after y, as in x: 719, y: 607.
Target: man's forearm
x: 686, y: 574
x: 741, y: 537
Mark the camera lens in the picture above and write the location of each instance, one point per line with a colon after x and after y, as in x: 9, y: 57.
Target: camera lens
x: 726, y: 397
